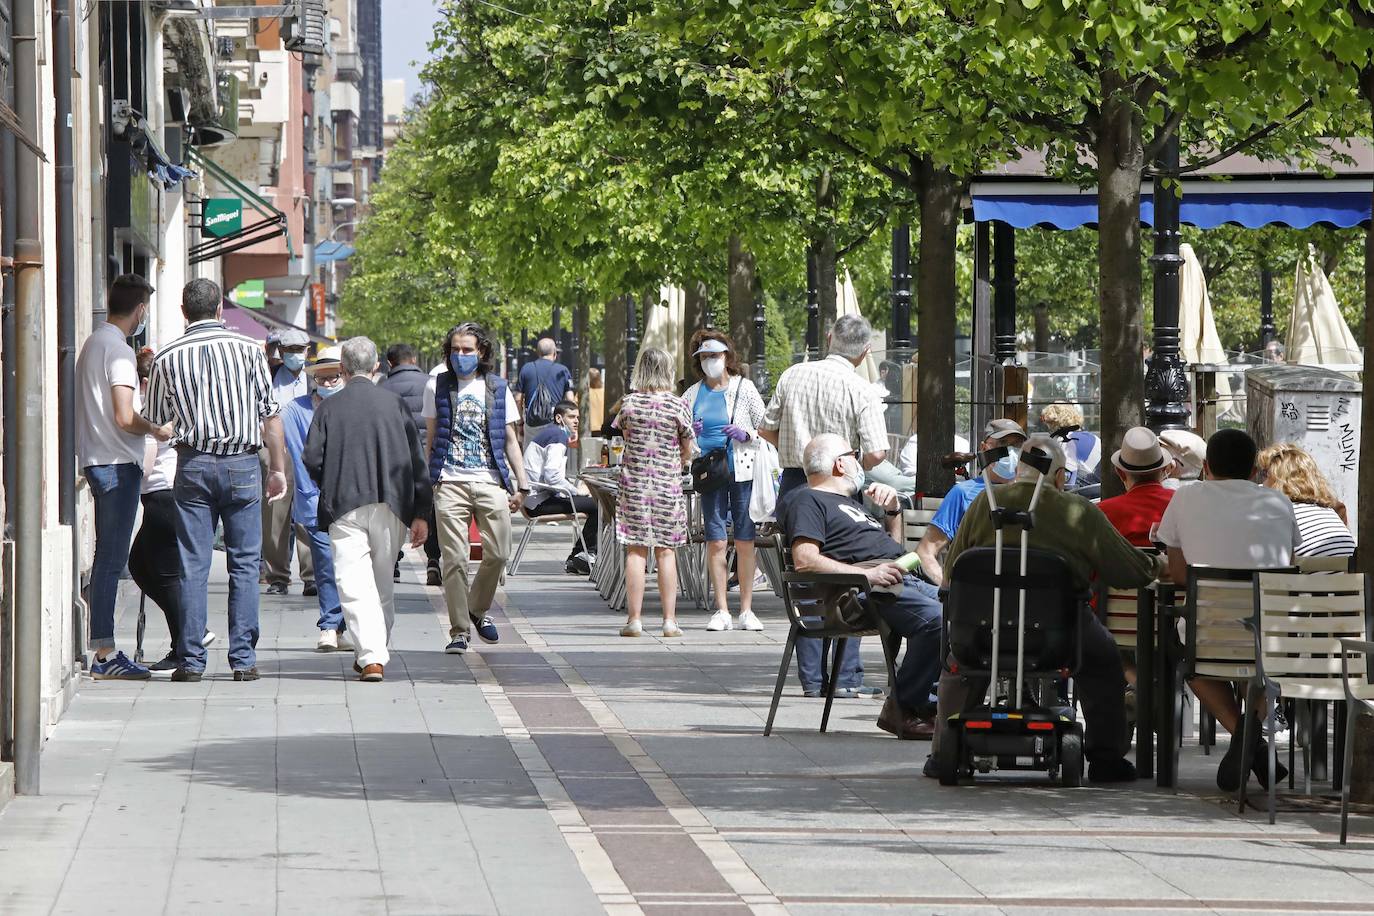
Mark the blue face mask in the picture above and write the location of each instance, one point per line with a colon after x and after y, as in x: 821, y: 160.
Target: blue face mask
x: 464, y: 364
x: 1005, y: 467
x: 293, y: 361
x: 324, y: 392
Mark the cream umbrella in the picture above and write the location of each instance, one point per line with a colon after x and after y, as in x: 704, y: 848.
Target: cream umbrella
x: 663, y: 327
x: 1317, y: 332
x: 847, y: 303
x: 1198, y: 340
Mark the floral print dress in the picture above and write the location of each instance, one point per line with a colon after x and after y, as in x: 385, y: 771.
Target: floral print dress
x: 650, y: 510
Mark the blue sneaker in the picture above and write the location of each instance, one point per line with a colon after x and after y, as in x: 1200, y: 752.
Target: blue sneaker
x: 486, y: 630
x: 117, y: 667
x: 458, y: 646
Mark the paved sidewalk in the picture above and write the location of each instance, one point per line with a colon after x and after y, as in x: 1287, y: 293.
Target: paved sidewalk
x: 568, y: 770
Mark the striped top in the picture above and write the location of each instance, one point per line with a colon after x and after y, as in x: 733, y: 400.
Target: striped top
x: 1322, y: 532
x: 214, y: 383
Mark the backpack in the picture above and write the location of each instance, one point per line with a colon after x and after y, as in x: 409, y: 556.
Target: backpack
x: 540, y: 406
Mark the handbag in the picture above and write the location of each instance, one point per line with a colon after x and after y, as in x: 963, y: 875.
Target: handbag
x: 711, y: 471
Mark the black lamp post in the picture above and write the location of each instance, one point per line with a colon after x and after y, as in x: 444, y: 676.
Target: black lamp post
x: 1267, y: 330
x: 1166, y: 384
x: 1004, y: 292
x: 760, y: 347
x: 901, y: 289
x: 512, y: 359
x: 631, y: 338
x: 813, y: 308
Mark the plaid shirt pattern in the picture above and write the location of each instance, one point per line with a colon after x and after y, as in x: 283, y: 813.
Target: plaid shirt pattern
x: 824, y: 397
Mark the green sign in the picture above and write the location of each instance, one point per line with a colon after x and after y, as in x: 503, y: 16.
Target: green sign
x: 221, y: 216
x: 250, y: 294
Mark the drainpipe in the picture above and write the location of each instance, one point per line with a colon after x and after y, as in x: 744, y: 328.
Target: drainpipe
x: 28, y: 327
x: 7, y: 229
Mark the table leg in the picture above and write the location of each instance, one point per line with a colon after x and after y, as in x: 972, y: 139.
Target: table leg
x: 1145, y: 683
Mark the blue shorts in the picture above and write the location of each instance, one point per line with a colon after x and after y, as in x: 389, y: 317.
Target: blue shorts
x: 730, y: 501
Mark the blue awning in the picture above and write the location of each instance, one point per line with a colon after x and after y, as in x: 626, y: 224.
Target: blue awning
x: 328, y: 251
x: 1297, y: 204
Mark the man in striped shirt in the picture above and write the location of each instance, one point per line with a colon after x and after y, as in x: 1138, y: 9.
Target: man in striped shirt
x: 213, y: 385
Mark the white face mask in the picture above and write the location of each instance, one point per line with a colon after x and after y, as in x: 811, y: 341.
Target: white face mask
x: 854, y: 474
x: 142, y: 323
x: 714, y: 366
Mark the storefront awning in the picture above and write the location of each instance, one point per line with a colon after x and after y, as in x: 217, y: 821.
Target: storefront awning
x: 1297, y: 203
x: 271, y: 224
x: 327, y: 252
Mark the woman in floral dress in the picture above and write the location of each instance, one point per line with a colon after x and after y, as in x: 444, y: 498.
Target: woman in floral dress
x: 650, y: 513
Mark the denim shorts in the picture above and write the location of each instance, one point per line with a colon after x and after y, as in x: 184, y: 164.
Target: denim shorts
x: 729, y: 502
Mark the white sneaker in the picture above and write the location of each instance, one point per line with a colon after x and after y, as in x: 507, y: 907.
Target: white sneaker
x: 633, y: 628
x: 720, y: 620
x: 209, y: 638
x: 328, y: 641
x: 344, y: 641
x: 671, y: 629
x: 750, y: 621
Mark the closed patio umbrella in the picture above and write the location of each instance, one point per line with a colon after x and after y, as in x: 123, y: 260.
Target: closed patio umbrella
x: 847, y: 303
x: 1198, y: 340
x: 1317, y: 332
x: 663, y: 327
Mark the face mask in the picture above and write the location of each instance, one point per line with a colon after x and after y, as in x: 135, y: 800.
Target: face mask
x: 295, y: 362
x: 713, y: 367
x: 1005, y: 467
x: 142, y: 324
x: 463, y: 364
x: 324, y: 392
x: 854, y: 473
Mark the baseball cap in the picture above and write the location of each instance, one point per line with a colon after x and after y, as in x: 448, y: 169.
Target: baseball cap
x: 998, y: 429
x: 1187, y: 448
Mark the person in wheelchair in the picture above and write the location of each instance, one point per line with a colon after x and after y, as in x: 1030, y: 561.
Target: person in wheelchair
x: 830, y: 532
x: 1075, y: 529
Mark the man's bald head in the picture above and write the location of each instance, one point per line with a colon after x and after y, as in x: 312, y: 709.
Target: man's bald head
x: 547, y: 348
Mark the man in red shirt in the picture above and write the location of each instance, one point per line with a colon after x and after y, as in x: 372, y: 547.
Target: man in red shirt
x: 1142, y: 465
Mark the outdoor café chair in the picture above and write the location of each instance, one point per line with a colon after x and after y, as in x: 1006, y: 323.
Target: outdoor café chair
x: 1359, y: 701
x: 1298, y: 627
x: 806, y: 597
x: 916, y: 519
x: 1121, y: 612
x: 542, y: 521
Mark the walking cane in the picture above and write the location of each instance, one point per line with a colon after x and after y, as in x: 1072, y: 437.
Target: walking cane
x: 142, y: 625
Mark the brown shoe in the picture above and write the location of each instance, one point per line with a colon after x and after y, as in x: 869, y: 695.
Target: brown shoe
x: 895, y: 720
x: 372, y: 673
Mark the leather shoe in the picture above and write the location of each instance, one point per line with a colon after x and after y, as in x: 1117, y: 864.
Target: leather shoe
x: 187, y: 676
x: 245, y: 674
x: 372, y: 673
x: 895, y: 720
x: 1111, y: 769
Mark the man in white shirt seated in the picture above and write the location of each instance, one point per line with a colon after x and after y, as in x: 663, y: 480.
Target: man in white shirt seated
x: 1228, y: 521
x: 546, y: 465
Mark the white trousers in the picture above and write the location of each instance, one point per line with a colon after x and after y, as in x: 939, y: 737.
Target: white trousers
x: 365, y: 543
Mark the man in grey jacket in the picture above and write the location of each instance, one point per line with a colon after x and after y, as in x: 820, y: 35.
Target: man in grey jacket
x: 363, y: 451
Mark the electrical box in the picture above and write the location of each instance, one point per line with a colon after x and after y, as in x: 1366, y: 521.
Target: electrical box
x: 1318, y: 409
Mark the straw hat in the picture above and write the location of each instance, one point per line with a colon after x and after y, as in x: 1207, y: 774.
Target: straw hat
x: 327, y: 358
x: 1140, y: 452
x: 1188, y: 449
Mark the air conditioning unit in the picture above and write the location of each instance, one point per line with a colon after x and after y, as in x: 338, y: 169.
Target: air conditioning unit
x: 307, y: 32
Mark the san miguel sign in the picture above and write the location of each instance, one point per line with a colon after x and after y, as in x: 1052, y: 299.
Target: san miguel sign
x: 221, y: 217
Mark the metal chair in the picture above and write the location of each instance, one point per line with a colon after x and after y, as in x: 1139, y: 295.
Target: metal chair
x: 537, y: 521
x: 1359, y: 701
x: 1298, y: 627
x: 806, y: 597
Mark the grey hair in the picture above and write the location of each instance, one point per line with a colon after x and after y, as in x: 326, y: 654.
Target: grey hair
x: 820, y: 453
x: 1044, y: 443
x: 358, y: 356
x: 654, y: 371
x: 850, y: 336
x: 547, y: 347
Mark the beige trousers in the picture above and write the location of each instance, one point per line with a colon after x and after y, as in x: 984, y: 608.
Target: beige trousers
x: 277, y: 529
x: 454, y: 505
x: 365, y: 542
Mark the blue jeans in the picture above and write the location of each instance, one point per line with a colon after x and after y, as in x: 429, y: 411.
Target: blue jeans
x: 209, y: 490
x: 322, y: 557
x: 116, y: 489
x: 731, y: 501
x: 851, y: 673
x: 914, y: 615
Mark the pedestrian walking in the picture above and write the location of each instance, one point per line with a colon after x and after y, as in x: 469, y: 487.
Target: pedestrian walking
x: 408, y: 381
x: 110, y: 437
x: 478, y: 474
x: 213, y: 385
x: 305, y: 495
x: 827, y: 396
x: 154, y: 563
x: 542, y: 385
x: 363, y: 451
x: 726, y: 411
x: 650, y: 512
x: 280, y: 535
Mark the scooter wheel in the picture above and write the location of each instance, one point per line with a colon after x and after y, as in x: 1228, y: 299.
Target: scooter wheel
x: 1071, y: 760
x: 947, y: 759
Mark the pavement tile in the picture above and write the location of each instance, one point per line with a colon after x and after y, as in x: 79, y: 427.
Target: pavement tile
x: 662, y: 863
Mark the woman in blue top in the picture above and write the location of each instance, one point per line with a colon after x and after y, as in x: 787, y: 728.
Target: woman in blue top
x: 726, y: 412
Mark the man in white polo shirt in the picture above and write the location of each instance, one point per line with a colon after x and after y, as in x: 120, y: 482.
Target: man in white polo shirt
x: 110, y: 436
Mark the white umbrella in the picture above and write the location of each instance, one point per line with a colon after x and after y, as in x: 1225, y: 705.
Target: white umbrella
x: 663, y: 327
x: 847, y: 303
x: 1317, y: 332
x: 1198, y: 340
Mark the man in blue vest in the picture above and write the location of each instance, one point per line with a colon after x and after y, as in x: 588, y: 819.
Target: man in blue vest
x: 478, y: 474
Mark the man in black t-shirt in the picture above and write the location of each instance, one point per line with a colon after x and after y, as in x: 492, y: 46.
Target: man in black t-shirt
x: 830, y: 533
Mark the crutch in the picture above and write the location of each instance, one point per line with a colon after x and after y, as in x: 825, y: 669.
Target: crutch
x: 142, y: 626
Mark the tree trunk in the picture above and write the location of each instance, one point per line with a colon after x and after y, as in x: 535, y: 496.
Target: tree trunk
x: 741, y: 292
x: 1120, y: 160
x: 824, y: 247
x: 1042, y: 328
x: 936, y: 295
x: 694, y: 308
x: 613, y: 379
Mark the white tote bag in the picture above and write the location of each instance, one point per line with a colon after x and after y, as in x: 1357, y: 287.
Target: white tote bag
x: 764, y: 497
